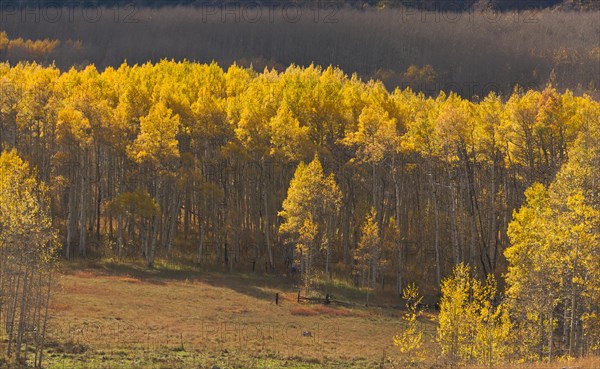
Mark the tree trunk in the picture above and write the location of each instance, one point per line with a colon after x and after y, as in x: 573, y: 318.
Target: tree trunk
x: 70, y: 221
x: 119, y: 236
x: 21, y: 325
x: 153, y: 241
x: 266, y: 216
x: 398, y: 212
x: 98, y: 194
x: 436, y: 217
x: 453, y: 214
x: 82, y: 218
x: 572, y: 342
x: 173, y: 222
x: 550, y: 335
x: 144, y: 236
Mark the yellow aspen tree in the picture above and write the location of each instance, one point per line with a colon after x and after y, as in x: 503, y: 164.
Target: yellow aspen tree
x: 27, y: 246
x: 312, y: 200
x: 368, y: 249
x: 410, y: 341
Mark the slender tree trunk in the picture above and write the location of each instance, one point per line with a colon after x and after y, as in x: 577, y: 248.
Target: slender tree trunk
x: 119, y: 236
x: 70, y: 221
x: 572, y: 342
x: 374, y: 187
x: 550, y: 334
x: 11, y: 314
x: 186, y: 213
x: 98, y: 194
x: 267, y: 229
x: 346, y: 235
x: 541, y: 338
x: 82, y: 217
x: 328, y: 254
x: 22, y: 316
x: 202, y: 236
x: 144, y: 236
x: 369, y: 271
x: 153, y: 241
x: 173, y: 222
x: 398, y: 214
x: 45, y: 324
x: 436, y: 217
x: 454, y: 231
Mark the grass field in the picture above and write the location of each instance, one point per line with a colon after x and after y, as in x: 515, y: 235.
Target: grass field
x: 105, y: 315
x: 109, y: 315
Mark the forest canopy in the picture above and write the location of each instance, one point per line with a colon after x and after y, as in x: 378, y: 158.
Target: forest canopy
x: 314, y: 172
x: 180, y: 158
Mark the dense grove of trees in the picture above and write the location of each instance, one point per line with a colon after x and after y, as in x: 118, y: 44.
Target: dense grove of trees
x: 489, y: 204
x: 550, y: 304
x: 187, y: 160
x: 554, y: 258
x: 471, y: 53
x: 315, y: 172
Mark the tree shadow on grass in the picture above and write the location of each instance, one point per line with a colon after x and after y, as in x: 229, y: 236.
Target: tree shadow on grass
x: 256, y: 285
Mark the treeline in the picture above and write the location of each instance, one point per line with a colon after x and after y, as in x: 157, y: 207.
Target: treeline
x: 187, y: 160
x: 470, y: 53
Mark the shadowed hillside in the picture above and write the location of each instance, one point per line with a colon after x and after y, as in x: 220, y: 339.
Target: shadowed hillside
x: 471, y: 53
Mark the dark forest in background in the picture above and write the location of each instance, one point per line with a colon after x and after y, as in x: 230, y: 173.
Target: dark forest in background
x: 471, y: 53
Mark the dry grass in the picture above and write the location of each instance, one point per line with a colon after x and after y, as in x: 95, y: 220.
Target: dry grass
x: 585, y: 363
x: 323, y: 310
x: 109, y: 307
x: 231, y: 320
x: 55, y: 306
x: 303, y: 311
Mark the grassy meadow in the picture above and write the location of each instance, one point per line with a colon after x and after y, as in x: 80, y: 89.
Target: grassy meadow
x: 107, y: 315
x: 117, y: 316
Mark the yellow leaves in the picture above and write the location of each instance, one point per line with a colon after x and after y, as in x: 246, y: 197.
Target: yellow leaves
x: 307, y: 232
x: 20, y: 48
x: 420, y: 134
x: 157, y: 140
x: 418, y: 76
x: 288, y: 137
x: 4, y: 40
x: 376, y: 135
x: 237, y: 80
x: 73, y: 127
x: 311, y: 199
x: 369, y: 244
x: 410, y: 341
x: 24, y: 221
x: 554, y: 255
x: 472, y: 327
x: 251, y: 112
x: 454, y: 124
x: 137, y: 202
